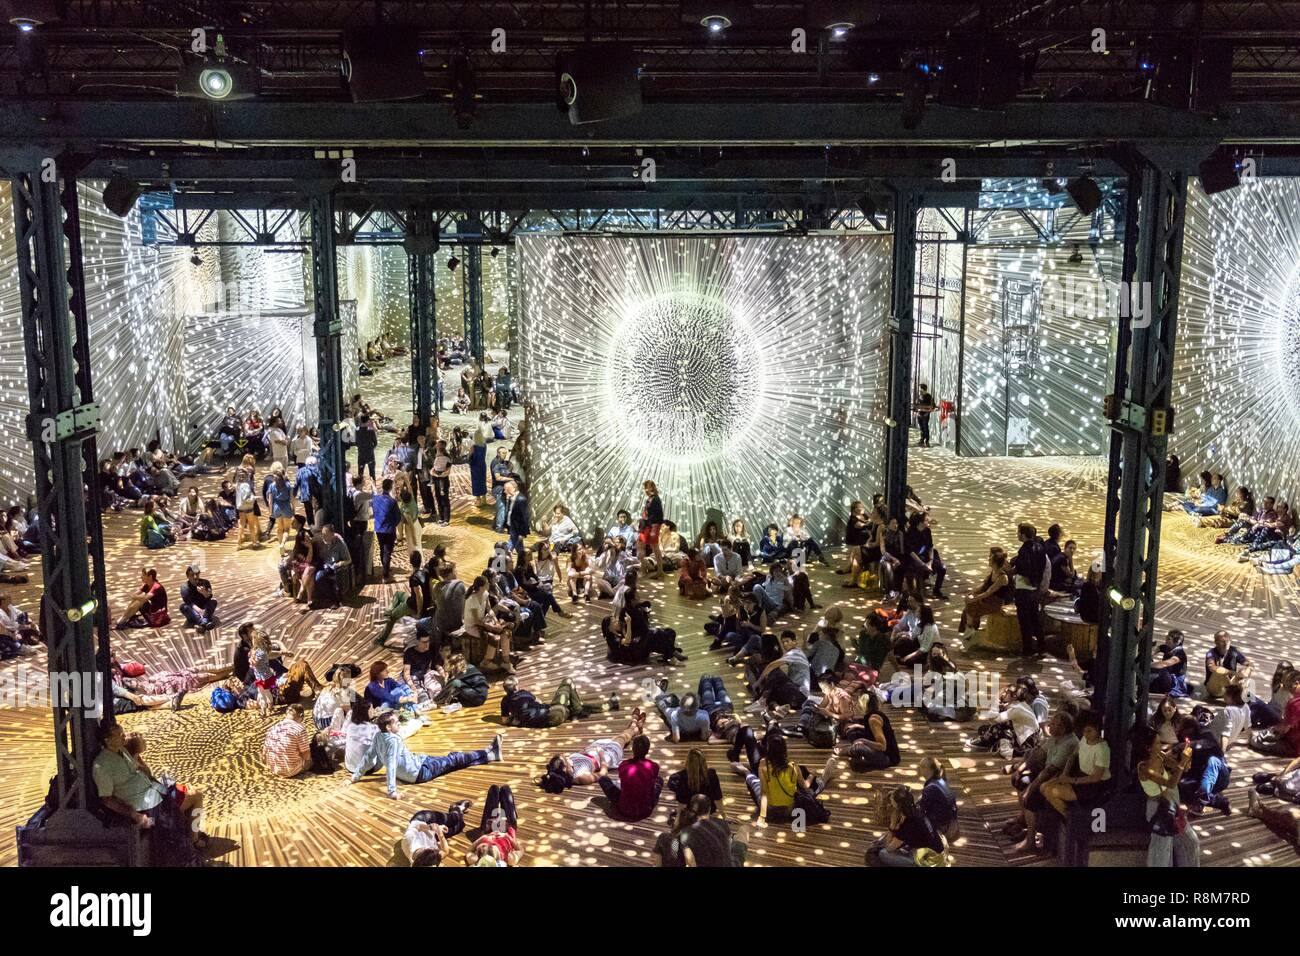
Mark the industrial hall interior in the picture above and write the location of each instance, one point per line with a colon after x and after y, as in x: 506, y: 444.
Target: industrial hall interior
x: 658, y: 434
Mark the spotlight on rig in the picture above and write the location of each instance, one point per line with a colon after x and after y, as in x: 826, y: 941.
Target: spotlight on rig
x: 452, y: 263
x: 1220, y: 171
x: 120, y: 195
x: 217, y: 76
x: 196, y: 260
x: 1086, y: 194
x: 1076, y: 257
x: 27, y: 15
x: 598, y: 81
x: 714, y: 15
x: 382, y: 65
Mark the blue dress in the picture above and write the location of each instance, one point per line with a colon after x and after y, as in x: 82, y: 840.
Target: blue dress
x: 478, y: 470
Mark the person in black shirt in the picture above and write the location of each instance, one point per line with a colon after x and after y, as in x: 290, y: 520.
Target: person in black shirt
x: 520, y: 708
x: 1169, y: 667
x: 909, y: 830
x: 697, y: 778
x: 1088, y: 604
x: 1029, y: 564
x: 1203, y: 783
x: 1052, y: 546
x: 924, y: 409
x: 367, y: 439
x: 418, y: 659
x: 421, y: 587
x: 921, y: 559
x: 197, y: 602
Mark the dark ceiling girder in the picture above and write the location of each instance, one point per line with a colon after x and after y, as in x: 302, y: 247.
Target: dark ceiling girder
x: 347, y: 125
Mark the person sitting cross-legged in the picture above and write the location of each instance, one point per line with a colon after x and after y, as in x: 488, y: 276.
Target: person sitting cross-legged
x: 636, y: 793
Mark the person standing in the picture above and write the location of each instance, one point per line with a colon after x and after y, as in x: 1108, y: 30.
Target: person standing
x: 440, y: 472
x: 421, y: 462
x: 478, y: 459
x: 1029, y: 565
x: 387, y: 517
x: 500, y: 474
x: 367, y: 439
x: 517, y: 520
x: 925, y: 407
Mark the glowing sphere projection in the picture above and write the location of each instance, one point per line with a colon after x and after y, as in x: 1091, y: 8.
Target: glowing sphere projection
x: 687, y: 372
x: 743, y: 375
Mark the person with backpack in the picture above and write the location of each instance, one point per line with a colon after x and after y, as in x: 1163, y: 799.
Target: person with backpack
x: 937, y: 800
x: 778, y: 786
x: 1031, y: 567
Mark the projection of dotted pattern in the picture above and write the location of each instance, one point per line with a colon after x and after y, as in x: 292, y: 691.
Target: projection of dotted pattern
x: 1237, y: 363
x: 744, y: 375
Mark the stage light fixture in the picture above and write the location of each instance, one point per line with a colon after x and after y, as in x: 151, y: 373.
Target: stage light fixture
x: 716, y: 16
x: 120, y: 195
x: 217, y: 77
x: 598, y: 81
x: 495, y: 252
x: 196, y: 260
x: 27, y: 15
x: 383, y: 65
x: 1220, y: 171
x: 84, y: 610
x: 452, y: 263
x: 1122, y: 601
x: 838, y: 31
x: 1086, y: 194
x: 1076, y: 257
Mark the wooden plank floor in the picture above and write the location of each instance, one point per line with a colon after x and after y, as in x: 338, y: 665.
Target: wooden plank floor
x: 261, y: 820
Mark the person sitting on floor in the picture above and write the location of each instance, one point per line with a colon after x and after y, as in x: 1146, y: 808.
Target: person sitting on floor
x: 798, y: 536
x: 683, y: 716
x: 772, y: 548
x: 692, y: 578
x: 287, y: 748
x: 1208, y: 774
x: 1169, y: 667
x: 636, y: 793
x: 197, y: 603
x: 154, y: 533
x: 911, y: 834
x: 1209, y: 498
x: 1283, y: 739
x: 697, y: 778
x: 149, y: 606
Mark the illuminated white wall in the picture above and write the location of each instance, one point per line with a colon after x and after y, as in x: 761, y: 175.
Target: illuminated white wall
x: 744, y: 375
x: 148, y: 346
x: 1037, y: 343
x: 1237, y: 367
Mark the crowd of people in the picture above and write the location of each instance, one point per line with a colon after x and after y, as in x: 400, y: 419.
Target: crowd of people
x: 811, y: 681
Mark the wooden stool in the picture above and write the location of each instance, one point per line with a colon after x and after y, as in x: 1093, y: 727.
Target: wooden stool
x: 1002, y: 633
x: 1063, y: 620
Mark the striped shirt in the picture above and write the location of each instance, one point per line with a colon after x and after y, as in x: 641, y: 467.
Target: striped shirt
x: 287, y: 750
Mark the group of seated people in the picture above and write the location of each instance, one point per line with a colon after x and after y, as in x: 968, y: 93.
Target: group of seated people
x: 1040, y: 572
x: 1266, y: 531
x: 20, y: 540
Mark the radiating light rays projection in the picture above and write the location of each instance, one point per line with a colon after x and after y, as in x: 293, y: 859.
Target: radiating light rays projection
x: 744, y: 375
x: 1037, y: 349
x: 137, y: 300
x: 1236, y: 367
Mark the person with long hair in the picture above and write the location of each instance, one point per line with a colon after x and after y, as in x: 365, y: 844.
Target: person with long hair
x: 652, y: 519
x: 990, y: 597
x: 697, y: 778
x: 486, y: 640
x: 775, y: 783
x: 578, y: 576
x: 1091, y: 785
x: 910, y: 831
x: 740, y: 542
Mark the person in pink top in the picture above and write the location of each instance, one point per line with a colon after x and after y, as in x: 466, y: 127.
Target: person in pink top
x: 639, y: 784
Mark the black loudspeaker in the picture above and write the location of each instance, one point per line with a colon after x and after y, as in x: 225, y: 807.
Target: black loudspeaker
x: 598, y: 81
x: 383, y: 65
x: 1086, y: 194
x: 120, y: 195
x: 1219, y: 172
x: 980, y: 73
x: 1172, y: 60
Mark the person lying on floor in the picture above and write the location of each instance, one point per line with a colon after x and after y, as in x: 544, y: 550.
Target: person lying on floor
x: 580, y: 769
x: 400, y: 763
x: 520, y: 708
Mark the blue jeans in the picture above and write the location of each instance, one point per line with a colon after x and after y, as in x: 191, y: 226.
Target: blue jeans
x: 712, y: 693
x: 1214, y: 780
x: 226, y: 442
x: 517, y: 542
x: 499, y: 520
x: 435, y: 766
x: 1192, y: 508
x: 765, y: 601
x: 197, y: 615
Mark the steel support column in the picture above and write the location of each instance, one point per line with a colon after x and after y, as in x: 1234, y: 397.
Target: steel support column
x: 901, y: 321
x: 474, y: 301
x: 328, y: 330
x: 61, y: 425
x: 421, y: 243
x: 1153, y: 244
x: 960, y: 412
